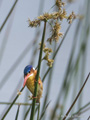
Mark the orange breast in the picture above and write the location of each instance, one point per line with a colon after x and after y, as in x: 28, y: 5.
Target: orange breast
x: 30, y: 84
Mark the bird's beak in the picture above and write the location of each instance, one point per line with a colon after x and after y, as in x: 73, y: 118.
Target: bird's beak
x: 25, y: 79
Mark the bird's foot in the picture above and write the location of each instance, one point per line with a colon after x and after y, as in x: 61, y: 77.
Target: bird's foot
x: 32, y: 97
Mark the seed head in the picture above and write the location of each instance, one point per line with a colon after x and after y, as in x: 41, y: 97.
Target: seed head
x: 50, y: 62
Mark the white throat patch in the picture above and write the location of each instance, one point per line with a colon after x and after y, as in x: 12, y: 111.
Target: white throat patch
x: 30, y: 75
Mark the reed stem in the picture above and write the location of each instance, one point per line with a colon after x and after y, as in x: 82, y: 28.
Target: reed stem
x: 38, y: 71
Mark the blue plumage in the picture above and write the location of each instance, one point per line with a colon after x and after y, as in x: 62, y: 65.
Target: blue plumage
x: 27, y: 69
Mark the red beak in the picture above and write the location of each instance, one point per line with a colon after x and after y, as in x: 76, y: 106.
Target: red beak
x: 25, y: 79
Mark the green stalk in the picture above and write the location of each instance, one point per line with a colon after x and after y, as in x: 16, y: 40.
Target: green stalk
x: 38, y: 111
x: 8, y: 15
x: 11, y: 105
x: 5, y: 39
x: 80, y: 111
x: 27, y: 113
x: 45, y: 108
x: 84, y: 40
x: 38, y: 71
x: 17, y: 112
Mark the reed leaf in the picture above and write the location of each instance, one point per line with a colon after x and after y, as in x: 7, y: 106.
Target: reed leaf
x: 11, y: 105
x: 11, y: 10
x: 43, y: 113
x: 76, y: 97
x: 16, y: 118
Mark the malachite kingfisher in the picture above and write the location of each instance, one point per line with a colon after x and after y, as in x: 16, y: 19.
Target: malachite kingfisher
x: 30, y: 79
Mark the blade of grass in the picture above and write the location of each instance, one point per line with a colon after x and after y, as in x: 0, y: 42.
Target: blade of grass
x: 11, y: 105
x: 76, y: 97
x: 84, y: 39
x: 79, y: 111
x: 5, y: 39
x: 13, y: 95
x: 27, y: 112
x: 38, y: 71
x: 11, y: 10
x: 88, y: 118
x: 75, y: 83
x: 38, y: 111
x: 44, y: 110
x: 17, y: 112
x: 68, y: 84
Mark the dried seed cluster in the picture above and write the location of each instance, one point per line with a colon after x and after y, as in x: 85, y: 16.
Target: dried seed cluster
x: 56, y: 17
x: 55, y: 33
x: 47, y: 52
x: 71, y: 17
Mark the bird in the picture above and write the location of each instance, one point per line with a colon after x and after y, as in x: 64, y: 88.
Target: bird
x: 29, y: 81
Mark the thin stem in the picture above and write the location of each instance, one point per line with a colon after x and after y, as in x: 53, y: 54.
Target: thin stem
x: 51, y: 7
x: 84, y: 108
x: 88, y: 118
x: 44, y: 110
x: 8, y: 15
x: 11, y: 105
x: 37, y: 76
x: 27, y: 113
x: 17, y: 112
x: 76, y: 97
x: 5, y: 39
x: 38, y: 111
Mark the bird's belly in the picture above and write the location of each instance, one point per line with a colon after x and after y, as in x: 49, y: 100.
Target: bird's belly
x: 39, y: 92
x: 30, y: 85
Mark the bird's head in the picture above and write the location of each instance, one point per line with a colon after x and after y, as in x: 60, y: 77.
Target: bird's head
x: 28, y: 71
